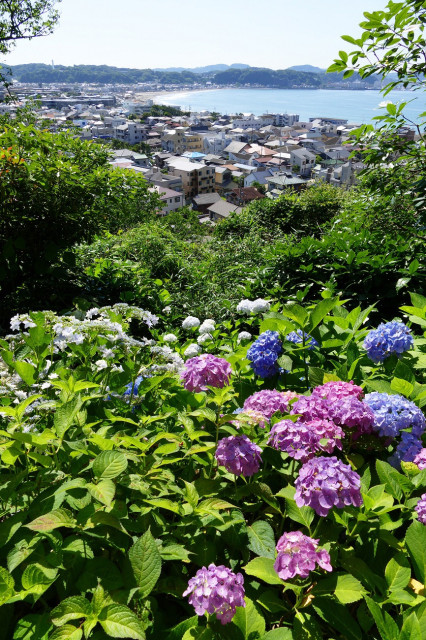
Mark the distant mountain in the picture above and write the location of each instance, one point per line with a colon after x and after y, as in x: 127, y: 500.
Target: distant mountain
x: 306, y: 67
x: 210, y: 68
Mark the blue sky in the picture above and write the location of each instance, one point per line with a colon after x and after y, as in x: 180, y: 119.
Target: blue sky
x: 188, y: 33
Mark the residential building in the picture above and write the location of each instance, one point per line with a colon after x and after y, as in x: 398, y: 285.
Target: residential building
x: 221, y: 210
x: 196, y: 177
x: 303, y: 160
x: 171, y: 199
x: 243, y: 195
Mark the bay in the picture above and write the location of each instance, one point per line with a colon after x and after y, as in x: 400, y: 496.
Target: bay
x: 356, y: 106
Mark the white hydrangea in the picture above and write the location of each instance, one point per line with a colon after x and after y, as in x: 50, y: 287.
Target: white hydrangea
x: 16, y: 321
x: 101, y: 364
x: 207, y: 326
x: 167, y: 310
x: 204, y: 337
x: 190, y: 322
x: 244, y: 335
x: 192, y: 350
x: 170, y: 337
x: 253, y: 306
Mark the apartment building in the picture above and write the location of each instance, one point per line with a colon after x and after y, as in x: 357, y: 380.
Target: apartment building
x: 196, y: 177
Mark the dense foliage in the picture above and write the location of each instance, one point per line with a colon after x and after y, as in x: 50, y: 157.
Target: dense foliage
x: 119, y: 483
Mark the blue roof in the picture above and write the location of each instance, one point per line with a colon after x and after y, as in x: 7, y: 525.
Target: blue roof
x: 193, y: 154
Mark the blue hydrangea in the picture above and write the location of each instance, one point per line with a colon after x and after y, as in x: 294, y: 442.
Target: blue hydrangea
x: 263, y: 354
x: 129, y: 386
x: 297, y: 337
x: 393, y: 413
x: 389, y: 338
x: 406, y: 450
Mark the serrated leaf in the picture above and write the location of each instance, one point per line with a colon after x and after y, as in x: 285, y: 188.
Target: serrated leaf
x: 261, y: 539
x: 53, y: 520
x: 37, y: 575
x: 402, y: 387
x: 398, y: 572
x: 164, y: 503
x: 119, y: 621
x: 283, y: 633
x: 67, y: 632
x: 146, y: 563
x: 32, y: 627
x: 263, y: 568
x: 109, y: 464
x: 344, y: 586
x: 213, y: 504
x: 7, y: 585
x: 198, y: 633
x: 66, y: 414
x: 26, y: 371
x: 338, y: 617
x: 394, y: 482
x: 302, y: 515
x: 411, y: 628
x: 249, y: 621
x: 71, y: 609
x: 415, y: 541
x: 103, y: 491
x: 387, y: 627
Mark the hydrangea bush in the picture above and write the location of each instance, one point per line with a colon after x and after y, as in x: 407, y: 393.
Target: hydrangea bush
x: 248, y: 487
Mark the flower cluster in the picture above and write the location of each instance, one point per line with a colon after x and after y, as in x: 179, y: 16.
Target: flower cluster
x: 268, y: 402
x: 135, y: 387
x: 253, y: 306
x: 239, y: 455
x: 420, y: 459
x: 264, y: 352
x: 207, y: 326
x: 324, y: 483
x: 218, y: 590
x: 389, y: 338
x: 205, y: 370
x: 244, y: 335
x: 170, y: 337
x: 191, y: 322
x: 393, y: 413
x: 346, y: 411
x: 298, y: 336
x: 408, y: 448
x: 421, y: 508
x: 335, y: 390
x: 251, y: 418
x: 298, y: 555
x: 302, y: 440
x: 192, y: 350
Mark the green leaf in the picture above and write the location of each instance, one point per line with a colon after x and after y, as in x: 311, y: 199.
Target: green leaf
x: 53, y: 520
x: 398, y: 572
x: 344, y: 586
x: 198, y: 633
x: 26, y: 371
x: 119, y: 622
x: 321, y: 310
x: 261, y: 539
x: 385, y: 624
x: 109, y: 464
x: 164, y: 503
x: 67, y: 632
x: 249, y: 621
x: 66, y: 414
x: 338, y: 617
x: 146, y: 563
x: 103, y: 492
x: 37, y: 577
x: 415, y: 541
x: 284, y: 633
x: 402, y: 387
x: 71, y: 609
x: 305, y: 627
x: 263, y: 568
x: 32, y: 627
x: 394, y: 482
x: 7, y: 585
x: 411, y: 628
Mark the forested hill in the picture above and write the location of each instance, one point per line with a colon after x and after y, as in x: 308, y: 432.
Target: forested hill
x: 103, y: 74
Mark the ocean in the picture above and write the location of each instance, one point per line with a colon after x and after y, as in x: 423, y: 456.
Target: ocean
x: 357, y: 106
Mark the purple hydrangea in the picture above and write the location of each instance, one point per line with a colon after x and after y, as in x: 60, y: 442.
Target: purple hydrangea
x: 408, y: 448
x: 421, y: 508
x: 297, y: 338
x: 263, y: 354
x: 205, y: 370
x: 239, y: 455
x: 298, y: 555
x: 393, y: 413
x: 324, y: 483
x: 268, y: 402
x: 389, y: 338
x: 347, y: 412
x: 302, y: 440
x: 420, y: 459
x: 218, y: 590
x: 338, y: 389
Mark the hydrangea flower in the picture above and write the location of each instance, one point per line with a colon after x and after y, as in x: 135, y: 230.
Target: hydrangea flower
x: 421, y: 508
x: 393, y: 413
x: 338, y: 389
x: 346, y: 411
x: 250, y: 418
x: 268, y: 402
x: 192, y: 350
x: 298, y: 555
x: 420, y: 459
x: 297, y: 338
x: 389, y: 338
x: 218, y: 590
x: 128, y: 388
x: 264, y: 352
x: 244, y: 335
x: 204, y: 337
x: 253, y: 306
x: 324, y: 483
x: 408, y: 448
x: 170, y: 337
x: 190, y: 322
x: 302, y: 440
x: 167, y: 310
x: 207, y: 326
x: 205, y: 370
x: 239, y: 455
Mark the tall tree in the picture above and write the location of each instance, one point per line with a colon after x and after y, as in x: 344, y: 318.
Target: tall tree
x: 25, y: 19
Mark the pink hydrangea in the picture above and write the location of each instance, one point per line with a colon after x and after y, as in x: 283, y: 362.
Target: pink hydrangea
x: 302, y: 440
x: 268, y: 402
x: 420, y: 508
x: 205, y: 371
x: 298, y: 555
x: 346, y: 411
x: 420, y: 459
x: 338, y: 389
